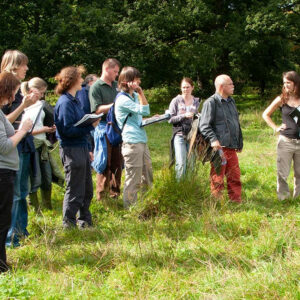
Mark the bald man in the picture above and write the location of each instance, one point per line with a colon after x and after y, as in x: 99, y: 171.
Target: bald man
x: 220, y: 125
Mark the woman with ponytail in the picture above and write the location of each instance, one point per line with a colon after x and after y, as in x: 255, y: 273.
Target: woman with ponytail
x: 43, y: 176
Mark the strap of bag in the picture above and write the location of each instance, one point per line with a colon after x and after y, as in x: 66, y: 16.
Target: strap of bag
x: 129, y: 115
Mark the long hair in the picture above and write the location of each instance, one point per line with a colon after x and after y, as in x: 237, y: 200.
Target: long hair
x: 8, y: 85
x: 12, y: 60
x: 35, y: 82
x: 295, y: 78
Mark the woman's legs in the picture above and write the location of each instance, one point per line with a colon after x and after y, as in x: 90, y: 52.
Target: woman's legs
x: 133, y: 159
x: 79, y: 190
x: 180, y: 147
x: 296, y: 159
x: 285, y: 152
x: 7, y: 193
x: 19, y: 213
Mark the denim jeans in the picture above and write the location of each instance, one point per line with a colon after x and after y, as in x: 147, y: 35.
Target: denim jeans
x: 181, y: 147
x: 19, y: 217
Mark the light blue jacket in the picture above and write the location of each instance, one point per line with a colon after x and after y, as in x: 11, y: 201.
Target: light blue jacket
x: 132, y: 132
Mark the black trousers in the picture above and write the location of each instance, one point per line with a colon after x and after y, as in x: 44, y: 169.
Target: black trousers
x: 79, y: 185
x: 6, y: 199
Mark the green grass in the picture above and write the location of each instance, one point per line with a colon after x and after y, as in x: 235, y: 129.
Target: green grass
x: 178, y: 243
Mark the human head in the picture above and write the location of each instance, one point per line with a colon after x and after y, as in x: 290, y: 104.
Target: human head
x: 186, y: 85
x: 224, y: 86
x: 90, y: 79
x: 128, y: 74
x: 9, y: 85
x: 68, y: 78
x: 15, y: 62
x: 110, y: 69
x: 34, y: 83
x: 291, y: 85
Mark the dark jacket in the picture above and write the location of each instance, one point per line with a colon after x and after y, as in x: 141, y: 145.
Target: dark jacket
x: 67, y: 112
x: 83, y: 97
x: 26, y: 145
x: 220, y: 121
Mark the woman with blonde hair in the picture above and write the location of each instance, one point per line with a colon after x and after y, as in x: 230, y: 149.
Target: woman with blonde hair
x: 43, y: 176
x: 15, y: 62
x: 74, y: 149
x: 9, y: 159
x: 288, y: 146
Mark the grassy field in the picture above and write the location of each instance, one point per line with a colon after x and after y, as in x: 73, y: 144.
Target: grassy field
x: 178, y: 244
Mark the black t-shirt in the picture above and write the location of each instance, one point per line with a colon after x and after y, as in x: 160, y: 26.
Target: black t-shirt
x: 292, y: 129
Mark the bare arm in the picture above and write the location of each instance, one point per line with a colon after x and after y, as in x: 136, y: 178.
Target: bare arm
x: 142, y: 97
x: 28, y: 100
x: 268, y: 113
x: 44, y: 129
x: 18, y: 136
x: 135, y: 86
x: 103, y: 108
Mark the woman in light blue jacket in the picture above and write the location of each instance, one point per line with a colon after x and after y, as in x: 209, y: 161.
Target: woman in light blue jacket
x: 138, y: 166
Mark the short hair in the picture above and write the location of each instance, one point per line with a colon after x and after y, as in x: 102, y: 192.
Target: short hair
x: 89, y: 78
x: 12, y: 60
x: 35, y: 82
x: 8, y: 84
x: 220, y: 80
x: 127, y: 74
x: 67, y: 77
x: 295, y: 78
x: 188, y: 80
x: 110, y: 63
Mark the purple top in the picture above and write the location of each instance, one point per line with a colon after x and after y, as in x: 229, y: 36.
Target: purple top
x: 178, y: 109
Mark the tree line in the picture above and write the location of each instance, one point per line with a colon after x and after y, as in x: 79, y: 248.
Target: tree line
x: 253, y: 41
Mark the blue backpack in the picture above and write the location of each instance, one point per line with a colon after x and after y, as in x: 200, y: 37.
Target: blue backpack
x: 113, y: 132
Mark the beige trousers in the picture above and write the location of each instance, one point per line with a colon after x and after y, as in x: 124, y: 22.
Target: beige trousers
x: 138, y: 171
x: 288, y: 150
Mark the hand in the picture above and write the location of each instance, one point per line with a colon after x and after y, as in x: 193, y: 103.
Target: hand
x: 31, y: 98
x: 27, y: 125
x: 216, y: 145
x: 135, y: 86
x: 189, y: 115
x: 95, y: 124
x: 281, y: 128
x: 91, y: 154
x: 49, y: 129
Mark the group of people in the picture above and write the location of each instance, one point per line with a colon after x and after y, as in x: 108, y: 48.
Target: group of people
x: 26, y: 143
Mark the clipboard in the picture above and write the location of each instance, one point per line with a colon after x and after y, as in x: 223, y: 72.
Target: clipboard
x: 36, y: 118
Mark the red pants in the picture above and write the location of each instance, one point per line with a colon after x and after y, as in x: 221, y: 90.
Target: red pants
x: 232, y: 172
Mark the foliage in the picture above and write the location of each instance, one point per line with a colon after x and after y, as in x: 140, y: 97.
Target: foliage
x: 252, y: 40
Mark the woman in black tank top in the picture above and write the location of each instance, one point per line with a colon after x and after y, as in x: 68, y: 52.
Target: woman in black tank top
x: 288, y: 147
